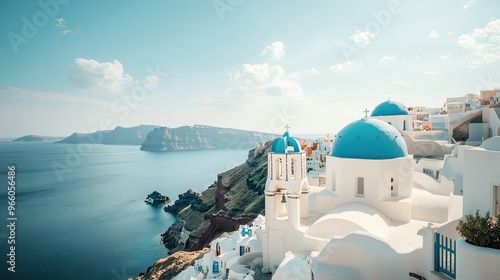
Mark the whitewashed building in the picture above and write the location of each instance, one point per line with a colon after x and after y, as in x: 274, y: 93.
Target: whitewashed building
x: 380, y: 214
x: 395, y: 114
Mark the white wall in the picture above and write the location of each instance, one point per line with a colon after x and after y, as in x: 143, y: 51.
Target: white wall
x: 475, y: 262
x: 399, y: 122
x: 481, y: 172
x: 478, y: 131
x: 364, y: 256
x: 495, y: 121
x: 438, y: 121
x: 342, y: 173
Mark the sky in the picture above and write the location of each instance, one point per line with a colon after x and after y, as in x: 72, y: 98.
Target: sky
x: 80, y: 66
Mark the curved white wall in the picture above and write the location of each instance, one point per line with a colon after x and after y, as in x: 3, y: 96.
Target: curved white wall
x: 361, y: 255
x: 475, y: 262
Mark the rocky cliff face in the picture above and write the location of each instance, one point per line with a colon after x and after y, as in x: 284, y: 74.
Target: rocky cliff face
x: 234, y: 199
x: 203, y: 137
x: 167, y: 268
x: 119, y: 136
x: 155, y: 138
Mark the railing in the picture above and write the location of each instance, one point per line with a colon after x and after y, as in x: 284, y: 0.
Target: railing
x: 445, y: 255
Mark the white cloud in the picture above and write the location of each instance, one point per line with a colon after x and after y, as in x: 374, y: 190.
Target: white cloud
x: 401, y: 83
x: 445, y: 58
x: 264, y: 79
x: 431, y: 73
x: 433, y: 35
x: 89, y: 74
x: 342, y: 67
x: 450, y: 33
x: 468, y: 3
x: 276, y: 50
x: 483, y: 43
x: 363, y: 38
x: 312, y: 71
x: 151, y: 82
x: 61, y: 24
x: 385, y: 59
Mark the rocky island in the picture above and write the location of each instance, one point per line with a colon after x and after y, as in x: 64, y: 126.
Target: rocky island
x: 118, y: 136
x: 236, y: 198
x: 203, y: 137
x: 157, y: 139
x: 155, y: 198
x: 35, y: 138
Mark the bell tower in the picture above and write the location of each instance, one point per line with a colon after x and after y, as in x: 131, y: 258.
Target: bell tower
x: 286, y: 197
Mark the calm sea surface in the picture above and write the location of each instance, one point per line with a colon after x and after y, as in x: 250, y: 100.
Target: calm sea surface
x: 80, y: 213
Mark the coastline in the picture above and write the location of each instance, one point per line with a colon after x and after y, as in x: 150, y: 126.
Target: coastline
x: 235, y: 199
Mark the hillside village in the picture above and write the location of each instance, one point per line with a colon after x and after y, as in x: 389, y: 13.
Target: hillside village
x: 381, y: 199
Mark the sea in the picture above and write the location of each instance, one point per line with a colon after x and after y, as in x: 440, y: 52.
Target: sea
x: 79, y: 209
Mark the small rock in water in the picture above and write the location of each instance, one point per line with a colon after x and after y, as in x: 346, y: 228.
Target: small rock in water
x: 155, y: 198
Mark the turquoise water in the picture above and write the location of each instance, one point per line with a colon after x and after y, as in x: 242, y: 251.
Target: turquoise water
x: 81, y: 213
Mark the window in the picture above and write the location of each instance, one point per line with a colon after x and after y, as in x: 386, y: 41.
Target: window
x: 394, y: 187
x: 404, y: 125
x: 428, y: 171
x: 360, y: 186
x: 279, y: 169
x: 215, y: 267
x: 293, y: 168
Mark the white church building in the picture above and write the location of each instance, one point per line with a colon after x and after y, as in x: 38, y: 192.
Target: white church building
x: 369, y: 221
x: 364, y: 210
x: 377, y: 217
x: 395, y: 114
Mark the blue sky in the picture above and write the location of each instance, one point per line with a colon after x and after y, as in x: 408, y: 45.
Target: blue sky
x: 78, y: 66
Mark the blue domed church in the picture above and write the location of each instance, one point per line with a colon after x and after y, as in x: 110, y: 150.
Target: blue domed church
x: 369, y: 164
x: 286, y: 199
x: 369, y: 181
x: 395, y: 114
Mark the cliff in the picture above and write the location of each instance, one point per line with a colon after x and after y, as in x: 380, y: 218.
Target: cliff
x: 203, y: 137
x: 234, y: 199
x: 118, y: 136
x: 167, y: 268
x: 155, y: 138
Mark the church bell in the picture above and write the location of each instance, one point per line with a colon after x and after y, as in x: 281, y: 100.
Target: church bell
x: 283, y: 199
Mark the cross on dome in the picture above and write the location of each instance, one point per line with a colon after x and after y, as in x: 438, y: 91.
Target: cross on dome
x: 366, y: 112
x: 287, y: 127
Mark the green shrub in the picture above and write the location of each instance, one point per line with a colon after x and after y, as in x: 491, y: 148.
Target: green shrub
x: 481, y: 231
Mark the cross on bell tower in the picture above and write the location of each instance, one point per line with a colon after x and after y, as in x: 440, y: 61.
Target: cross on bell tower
x: 287, y: 127
x: 366, y: 112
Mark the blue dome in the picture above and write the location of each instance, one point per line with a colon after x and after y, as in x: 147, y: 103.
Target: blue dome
x: 285, y: 144
x: 369, y: 138
x: 389, y: 108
